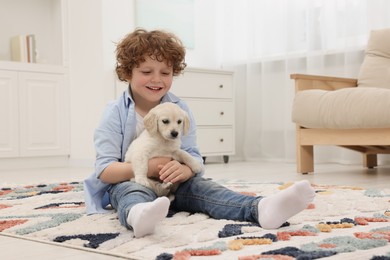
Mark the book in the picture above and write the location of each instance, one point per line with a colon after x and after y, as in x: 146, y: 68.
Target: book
x: 31, y: 51
x: 23, y: 48
x: 18, y: 48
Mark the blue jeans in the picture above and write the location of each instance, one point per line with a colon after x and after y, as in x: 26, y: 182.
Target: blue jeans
x: 197, y: 195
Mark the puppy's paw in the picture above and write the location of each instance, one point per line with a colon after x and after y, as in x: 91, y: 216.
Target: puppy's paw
x: 196, y: 166
x: 143, y: 181
x: 166, y: 185
x: 171, y: 197
x: 162, y: 189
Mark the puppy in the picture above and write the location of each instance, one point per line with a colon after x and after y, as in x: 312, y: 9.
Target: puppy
x: 164, y: 126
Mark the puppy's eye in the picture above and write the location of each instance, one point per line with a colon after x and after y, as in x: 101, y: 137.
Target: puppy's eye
x: 165, y: 121
x: 179, y: 122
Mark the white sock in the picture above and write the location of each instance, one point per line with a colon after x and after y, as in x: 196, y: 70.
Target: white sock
x: 276, y: 209
x: 144, y: 217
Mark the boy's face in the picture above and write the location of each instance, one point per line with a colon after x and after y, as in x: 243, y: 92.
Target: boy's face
x: 151, y: 81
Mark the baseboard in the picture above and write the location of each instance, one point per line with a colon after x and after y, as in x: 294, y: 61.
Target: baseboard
x: 33, y: 162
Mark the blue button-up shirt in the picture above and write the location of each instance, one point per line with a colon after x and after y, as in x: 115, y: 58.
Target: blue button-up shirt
x: 113, y: 136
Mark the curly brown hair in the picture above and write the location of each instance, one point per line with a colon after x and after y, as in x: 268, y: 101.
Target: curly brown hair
x: 162, y: 46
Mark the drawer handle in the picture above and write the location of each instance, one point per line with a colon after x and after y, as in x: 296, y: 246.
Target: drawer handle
x: 221, y: 86
x: 221, y: 113
x: 221, y: 140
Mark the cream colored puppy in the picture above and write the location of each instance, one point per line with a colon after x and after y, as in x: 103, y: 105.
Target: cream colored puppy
x: 164, y: 126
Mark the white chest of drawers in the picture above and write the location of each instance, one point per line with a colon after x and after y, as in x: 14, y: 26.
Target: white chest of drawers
x: 210, y: 95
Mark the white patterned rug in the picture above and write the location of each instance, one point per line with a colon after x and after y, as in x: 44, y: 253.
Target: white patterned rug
x: 342, y: 223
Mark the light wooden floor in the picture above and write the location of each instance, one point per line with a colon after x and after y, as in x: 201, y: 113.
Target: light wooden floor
x: 356, y: 175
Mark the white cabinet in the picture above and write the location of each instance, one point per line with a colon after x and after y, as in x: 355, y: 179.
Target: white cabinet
x: 34, y: 113
x: 9, y: 114
x: 209, y: 94
x: 34, y: 97
x: 43, y: 111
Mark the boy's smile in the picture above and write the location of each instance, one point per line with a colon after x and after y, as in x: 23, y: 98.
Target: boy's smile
x: 154, y: 88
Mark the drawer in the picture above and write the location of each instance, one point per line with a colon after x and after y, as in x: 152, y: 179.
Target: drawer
x: 203, y: 85
x: 215, y: 141
x: 212, y: 112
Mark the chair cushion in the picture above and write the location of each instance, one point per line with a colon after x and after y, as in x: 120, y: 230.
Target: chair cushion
x: 348, y: 108
x: 375, y: 69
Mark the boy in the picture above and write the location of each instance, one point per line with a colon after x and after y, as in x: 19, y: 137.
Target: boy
x: 148, y: 61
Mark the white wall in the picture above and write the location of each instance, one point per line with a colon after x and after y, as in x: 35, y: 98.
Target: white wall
x: 94, y: 28
x: 85, y: 75
x: 204, y: 52
x: 86, y: 63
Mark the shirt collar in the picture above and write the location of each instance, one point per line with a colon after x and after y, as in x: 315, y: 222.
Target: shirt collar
x: 128, y: 97
x: 169, y: 97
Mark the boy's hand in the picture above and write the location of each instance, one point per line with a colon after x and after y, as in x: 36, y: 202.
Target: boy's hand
x: 154, y: 166
x: 174, y: 172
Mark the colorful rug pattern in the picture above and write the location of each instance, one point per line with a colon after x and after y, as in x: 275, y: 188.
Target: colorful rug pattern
x: 342, y: 223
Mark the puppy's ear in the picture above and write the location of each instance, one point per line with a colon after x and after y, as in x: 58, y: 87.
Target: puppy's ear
x: 150, y: 122
x: 186, y: 124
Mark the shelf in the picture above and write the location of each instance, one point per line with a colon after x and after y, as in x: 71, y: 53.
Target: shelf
x: 32, y: 67
x: 43, y: 18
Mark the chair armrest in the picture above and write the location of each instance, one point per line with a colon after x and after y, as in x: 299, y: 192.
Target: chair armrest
x: 305, y: 82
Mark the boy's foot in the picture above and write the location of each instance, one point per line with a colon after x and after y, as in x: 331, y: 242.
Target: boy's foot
x: 277, y: 209
x: 144, y: 217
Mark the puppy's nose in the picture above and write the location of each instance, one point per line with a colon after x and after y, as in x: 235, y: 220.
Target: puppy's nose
x: 174, y: 134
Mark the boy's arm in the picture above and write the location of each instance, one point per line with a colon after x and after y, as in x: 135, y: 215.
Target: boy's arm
x: 117, y: 172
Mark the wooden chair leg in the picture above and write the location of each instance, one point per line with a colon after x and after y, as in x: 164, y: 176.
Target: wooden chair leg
x: 370, y: 160
x: 305, y: 159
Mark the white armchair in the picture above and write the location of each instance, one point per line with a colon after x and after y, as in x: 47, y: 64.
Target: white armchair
x: 351, y: 113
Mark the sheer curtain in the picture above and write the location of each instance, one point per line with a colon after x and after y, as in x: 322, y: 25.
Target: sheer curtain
x: 264, y: 41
